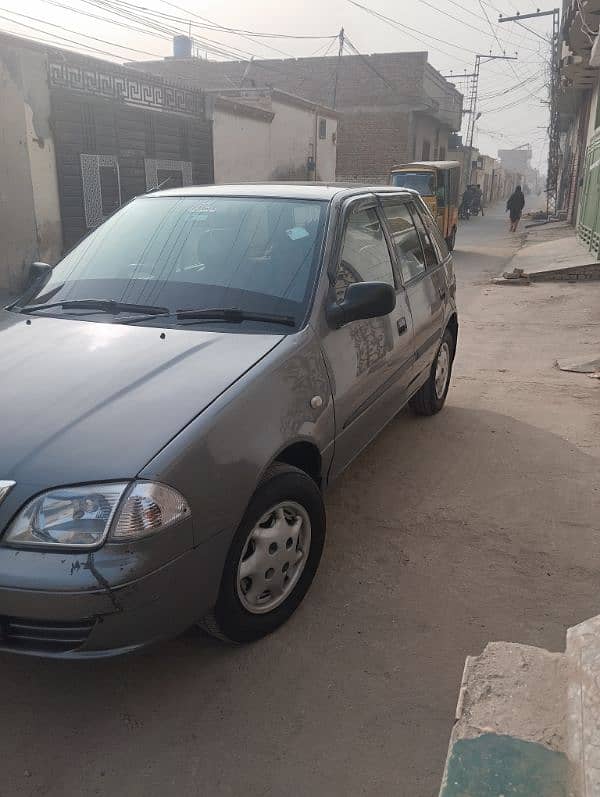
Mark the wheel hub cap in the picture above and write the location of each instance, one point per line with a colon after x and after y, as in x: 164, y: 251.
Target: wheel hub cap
x: 274, y: 557
x: 442, y: 370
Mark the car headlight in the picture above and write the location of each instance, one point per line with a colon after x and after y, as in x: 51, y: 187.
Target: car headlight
x: 83, y: 517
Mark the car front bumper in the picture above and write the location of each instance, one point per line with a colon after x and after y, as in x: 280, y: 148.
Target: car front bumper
x: 59, y: 622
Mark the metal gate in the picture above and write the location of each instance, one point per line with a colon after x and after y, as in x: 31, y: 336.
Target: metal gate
x: 588, y: 218
x: 120, y: 133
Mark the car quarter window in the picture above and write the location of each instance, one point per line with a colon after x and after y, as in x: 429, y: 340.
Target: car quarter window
x: 365, y: 256
x: 428, y: 248
x: 405, y: 238
x: 436, y: 237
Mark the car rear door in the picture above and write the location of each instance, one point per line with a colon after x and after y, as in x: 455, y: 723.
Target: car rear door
x: 369, y: 361
x: 423, y: 275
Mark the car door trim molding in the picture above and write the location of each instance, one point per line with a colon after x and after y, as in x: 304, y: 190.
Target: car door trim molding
x: 428, y: 343
x: 377, y: 394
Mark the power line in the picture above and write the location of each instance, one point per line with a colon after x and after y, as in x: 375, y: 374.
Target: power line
x: 123, y: 25
x: 463, y: 21
x: 76, y: 33
x: 57, y: 36
x: 210, y: 45
x: 403, y: 28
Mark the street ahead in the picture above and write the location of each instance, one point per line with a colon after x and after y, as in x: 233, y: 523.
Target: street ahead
x: 475, y: 525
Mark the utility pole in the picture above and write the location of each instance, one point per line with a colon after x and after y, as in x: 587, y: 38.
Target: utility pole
x: 554, y: 126
x: 480, y: 59
x: 337, y: 66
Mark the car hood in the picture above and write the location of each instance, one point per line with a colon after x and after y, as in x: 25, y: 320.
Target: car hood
x: 83, y: 401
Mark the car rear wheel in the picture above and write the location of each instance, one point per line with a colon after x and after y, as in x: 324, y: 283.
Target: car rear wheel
x: 431, y: 397
x: 273, y: 557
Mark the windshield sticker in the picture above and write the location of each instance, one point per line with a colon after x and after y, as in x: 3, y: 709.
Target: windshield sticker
x: 296, y: 233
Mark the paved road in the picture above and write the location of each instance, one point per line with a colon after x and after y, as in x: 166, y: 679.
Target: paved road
x: 476, y: 525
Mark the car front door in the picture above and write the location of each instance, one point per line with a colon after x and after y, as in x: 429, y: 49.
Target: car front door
x: 424, y: 277
x: 369, y: 361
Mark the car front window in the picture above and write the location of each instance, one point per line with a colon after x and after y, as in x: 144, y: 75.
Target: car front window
x: 255, y: 254
x: 423, y: 182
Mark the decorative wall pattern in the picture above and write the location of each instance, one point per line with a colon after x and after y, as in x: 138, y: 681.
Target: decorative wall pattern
x: 114, y: 83
x: 153, y: 166
x: 92, y: 187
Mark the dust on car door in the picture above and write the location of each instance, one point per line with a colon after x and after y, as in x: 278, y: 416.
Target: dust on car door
x: 369, y: 361
x: 423, y: 274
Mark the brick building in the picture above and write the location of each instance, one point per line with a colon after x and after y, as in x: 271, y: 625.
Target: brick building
x: 395, y: 107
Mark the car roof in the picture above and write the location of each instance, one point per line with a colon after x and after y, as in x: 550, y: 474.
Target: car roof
x: 428, y: 165
x: 322, y: 191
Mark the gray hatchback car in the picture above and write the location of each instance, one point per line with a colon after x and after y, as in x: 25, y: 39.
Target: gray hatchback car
x: 180, y: 389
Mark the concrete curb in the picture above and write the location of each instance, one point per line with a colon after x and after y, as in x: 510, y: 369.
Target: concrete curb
x: 588, y: 272
x: 528, y: 721
x: 583, y: 718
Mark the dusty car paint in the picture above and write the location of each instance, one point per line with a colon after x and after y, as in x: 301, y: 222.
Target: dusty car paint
x: 203, y: 411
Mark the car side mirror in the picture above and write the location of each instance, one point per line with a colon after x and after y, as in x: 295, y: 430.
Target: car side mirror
x: 362, y: 300
x: 38, y: 272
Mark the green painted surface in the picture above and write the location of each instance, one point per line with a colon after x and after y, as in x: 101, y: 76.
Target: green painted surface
x: 588, y: 218
x: 500, y: 766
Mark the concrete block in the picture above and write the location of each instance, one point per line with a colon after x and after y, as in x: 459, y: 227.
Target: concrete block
x: 510, y: 734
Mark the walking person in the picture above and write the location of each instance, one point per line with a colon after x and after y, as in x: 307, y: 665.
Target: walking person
x: 515, y: 205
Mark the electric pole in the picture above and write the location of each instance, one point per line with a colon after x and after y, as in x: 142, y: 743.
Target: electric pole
x: 554, y: 126
x: 337, y: 66
x: 472, y: 111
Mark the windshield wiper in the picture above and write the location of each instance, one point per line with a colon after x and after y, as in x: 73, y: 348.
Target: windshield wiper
x: 232, y: 315
x: 104, y: 305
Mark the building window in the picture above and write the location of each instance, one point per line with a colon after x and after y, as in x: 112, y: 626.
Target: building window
x: 322, y: 129
x: 426, y: 150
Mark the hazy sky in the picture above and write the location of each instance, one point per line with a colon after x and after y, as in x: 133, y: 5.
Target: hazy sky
x: 452, y: 31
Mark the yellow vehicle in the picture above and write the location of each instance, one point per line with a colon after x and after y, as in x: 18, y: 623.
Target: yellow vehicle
x: 438, y: 183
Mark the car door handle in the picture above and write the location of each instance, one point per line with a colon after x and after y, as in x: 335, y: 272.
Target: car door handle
x: 402, y: 325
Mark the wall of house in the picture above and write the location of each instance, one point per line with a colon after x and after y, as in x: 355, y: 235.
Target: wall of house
x: 292, y: 141
x: 374, y: 130
x: 29, y: 209
x: 327, y: 149
x: 241, y: 147
x: 370, y: 142
x: 42, y: 159
x: 428, y: 130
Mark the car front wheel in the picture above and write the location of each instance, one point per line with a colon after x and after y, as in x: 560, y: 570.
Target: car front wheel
x: 273, y: 557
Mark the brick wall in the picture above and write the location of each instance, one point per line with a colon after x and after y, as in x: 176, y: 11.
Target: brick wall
x: 370, y: 143
x: 312, y: 78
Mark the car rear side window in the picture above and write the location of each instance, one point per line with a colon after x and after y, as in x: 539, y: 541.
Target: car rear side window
x: 405, y: 238
x: 365, y: 255
x: 428, y: 248
x: 436, y: 236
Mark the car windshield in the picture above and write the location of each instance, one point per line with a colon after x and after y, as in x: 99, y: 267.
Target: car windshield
x: 258, y: 255
x: 423, y: 182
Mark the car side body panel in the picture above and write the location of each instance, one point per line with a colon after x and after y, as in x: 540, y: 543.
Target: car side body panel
x: 218, y: 460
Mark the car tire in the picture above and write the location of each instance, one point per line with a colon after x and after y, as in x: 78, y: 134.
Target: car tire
x: 431, y: 396
x: 451, y: 240
x: 243, y: 614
